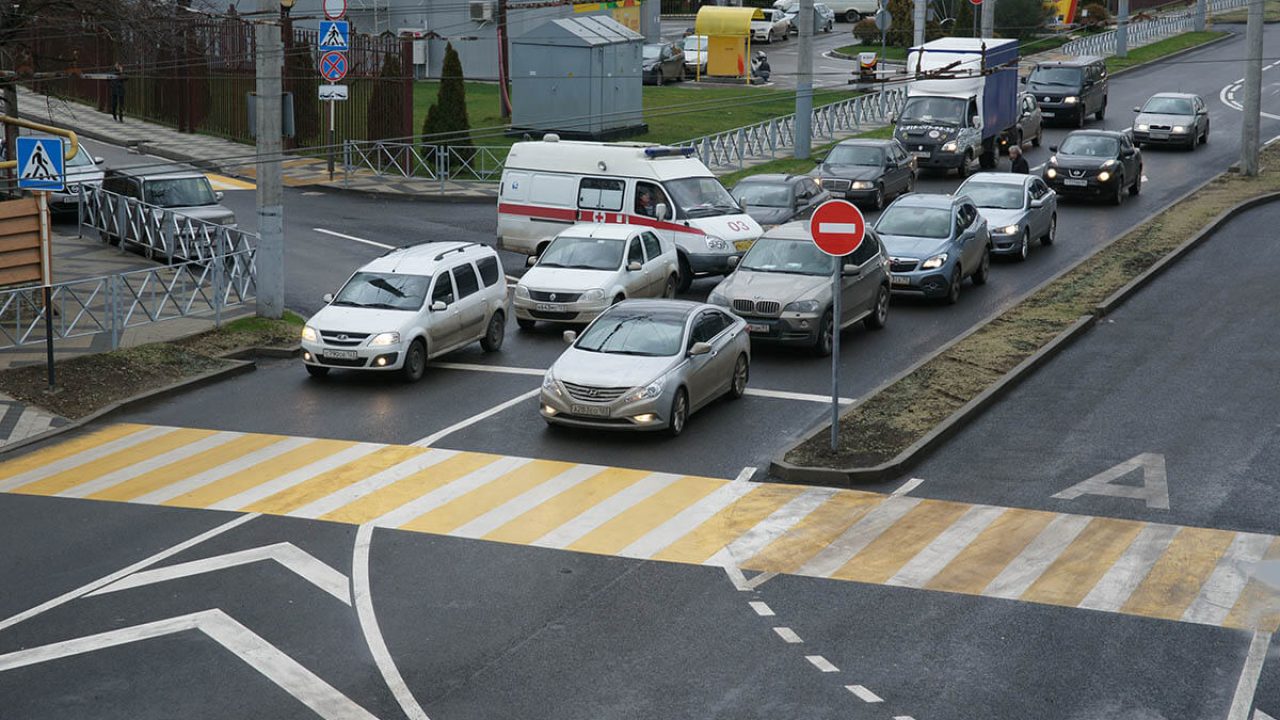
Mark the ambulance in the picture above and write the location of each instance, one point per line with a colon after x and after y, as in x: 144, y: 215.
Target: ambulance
x: 549, y: 185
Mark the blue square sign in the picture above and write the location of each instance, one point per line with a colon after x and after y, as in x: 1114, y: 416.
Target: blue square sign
x: 334, y: 36
x: 40, y: 164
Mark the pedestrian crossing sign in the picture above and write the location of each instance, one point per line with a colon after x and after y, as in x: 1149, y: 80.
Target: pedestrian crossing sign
x: 334, y: 36
x: 40, y: 164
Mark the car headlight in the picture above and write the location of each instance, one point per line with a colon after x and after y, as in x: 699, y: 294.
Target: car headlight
x: 802, y: 306
x: 550, y: 384
x: 949, y: 147
x: 522, y: 291
x: 1109, y: 163
x: 715, y: 243
x: 1008, y: 230
x: 1179, y: 128
x: 648, y: 392
x: 1071, y: 99
x: 1104, y: 176
x: 1051, y: 173
x: 716, y: 298
x: 309, y: 334
x: 592, y: 295
x: 861, y: 185
x: 934, y: 262
x: 1143, y: 127
x: 385, y: 339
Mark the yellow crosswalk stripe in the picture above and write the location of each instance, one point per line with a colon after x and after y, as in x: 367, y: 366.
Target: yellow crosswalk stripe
x: 982, y: 560
x: 565, y: 506
x: 460, y: 511
x: 185, y: 468
x: 809, y: 536
x: 384, y: 500
x: 614, y: 535
x: 68, y: 448
x: 1175, y: 579
x: 307, y: 491
x: 887, y: 554
x: 1258, y: 606
x: 1070, y: 578
x: 67, y: 479
x: 222, y: 182
x: 252, y: 477
x: 731, y: 522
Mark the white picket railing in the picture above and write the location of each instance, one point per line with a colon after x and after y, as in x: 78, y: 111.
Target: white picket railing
x: 1145, y: 32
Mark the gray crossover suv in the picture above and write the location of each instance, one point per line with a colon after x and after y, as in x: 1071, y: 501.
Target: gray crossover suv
x: 935, y: 242
x: 782, y: 288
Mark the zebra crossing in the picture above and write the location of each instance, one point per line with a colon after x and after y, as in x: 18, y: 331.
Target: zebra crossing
x: 1188, y: 574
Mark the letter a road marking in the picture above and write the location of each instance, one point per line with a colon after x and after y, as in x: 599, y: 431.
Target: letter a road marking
x: 1154, y: 489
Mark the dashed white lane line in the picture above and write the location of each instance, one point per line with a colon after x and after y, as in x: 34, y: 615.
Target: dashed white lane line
x: 903, y: 717
x: 908, y: 486
x: 822, y: 663
x: 353, y: 238
x: 863, y: 694
x: 761, y: 609
x: 788, y: 634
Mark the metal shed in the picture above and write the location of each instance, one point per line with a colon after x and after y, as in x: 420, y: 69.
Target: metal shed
x: 579, y: 77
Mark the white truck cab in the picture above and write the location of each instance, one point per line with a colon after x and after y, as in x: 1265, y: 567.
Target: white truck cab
x: 550, y: 185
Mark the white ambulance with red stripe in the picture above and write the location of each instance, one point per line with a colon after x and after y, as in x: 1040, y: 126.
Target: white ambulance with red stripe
x: 549, y: 185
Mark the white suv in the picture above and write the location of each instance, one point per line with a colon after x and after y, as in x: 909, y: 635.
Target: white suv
x: 407, y: 306
x: 589, y: 267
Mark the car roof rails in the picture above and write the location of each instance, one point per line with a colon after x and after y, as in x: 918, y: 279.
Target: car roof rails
x: 460, y: 248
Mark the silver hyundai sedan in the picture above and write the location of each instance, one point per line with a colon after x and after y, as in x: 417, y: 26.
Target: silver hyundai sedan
x: 647, y: 365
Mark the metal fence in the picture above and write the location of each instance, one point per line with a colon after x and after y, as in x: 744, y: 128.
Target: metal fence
x: 401, y: 158
x: 208, y: 270
x: 1146, y: 32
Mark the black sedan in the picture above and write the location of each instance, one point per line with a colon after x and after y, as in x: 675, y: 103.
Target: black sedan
x: 774, y: 199
x: 1095, y: 163
x: 662, y: 62
x: 867, y: 171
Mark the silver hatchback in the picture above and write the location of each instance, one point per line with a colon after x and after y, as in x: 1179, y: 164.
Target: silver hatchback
x: 647, y: 365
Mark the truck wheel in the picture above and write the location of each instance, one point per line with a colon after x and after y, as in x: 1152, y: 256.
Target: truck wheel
x: 853, y: 16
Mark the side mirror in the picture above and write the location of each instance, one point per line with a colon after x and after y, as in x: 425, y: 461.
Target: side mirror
x: 662, y: 212
x: 634, y: 267
x: 1037, y: 203
x: 733, y: 261
x: 1023, y: 80
x: 439, y: 306
x: 569, y: 337
x: 1053, y: 148
x: 700, y: 348
x: 531, y: 261
x: 327, y: 298
x: 851, y: 270
x: 893, y: 118
x: 218, y: 195
x: 975, y: 121
x: 98, y: 160
x: 1137, y: 109
x: 1127, y: 153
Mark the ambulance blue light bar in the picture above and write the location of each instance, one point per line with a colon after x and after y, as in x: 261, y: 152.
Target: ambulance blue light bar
x: 657, y: 152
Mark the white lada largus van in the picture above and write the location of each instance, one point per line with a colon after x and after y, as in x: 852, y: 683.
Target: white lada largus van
x: 549, y: 185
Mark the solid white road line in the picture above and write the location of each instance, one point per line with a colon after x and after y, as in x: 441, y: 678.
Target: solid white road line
x: 503, y: 369
x: 153, y: 463
x: 288, y: 480
x: 228, y: 469
x: 355, y: 491
x: 858, y: 536
x: 80, y: 458
x: 803, y: 397
x: 1220, y: 591
x: 433, y: 438
x: 906, y: 487
x: 950, y: 542
x: 686, y: 520
x: 353, y: 238
x: 1036, y: 557
x: 1248, y: 683
x: 135, y: 567
x: 259, y: 654
x: 762, y: 609
x: 821, y: 663
x: 788, y: 635
x: 1114, y: 588
x: 527, y: 501
x: 288, y: 555
x: 372, y: 633
x: 450, y: 491
x: 605, y: 510
x: 863, y: 693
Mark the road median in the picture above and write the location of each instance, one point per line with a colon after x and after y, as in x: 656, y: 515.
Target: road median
x: 899, y: 423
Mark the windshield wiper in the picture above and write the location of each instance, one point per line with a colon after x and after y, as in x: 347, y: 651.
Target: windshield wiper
x: 583, y: 267
x: 346, y: 303
x: 550, y: 264
x: 382, y: 306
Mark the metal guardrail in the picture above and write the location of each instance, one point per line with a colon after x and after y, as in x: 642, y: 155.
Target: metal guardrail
x: 1146, y: 32
x: 406, y: 159
x: 208, y: 269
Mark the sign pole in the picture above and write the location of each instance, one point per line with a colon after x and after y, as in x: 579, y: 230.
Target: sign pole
x: 837, y: 228
x: 331, y: 138
x: 836, y: 263
x: 46, y: 272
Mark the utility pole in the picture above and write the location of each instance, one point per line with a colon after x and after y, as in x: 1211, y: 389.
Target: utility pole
x: 1200, y: 15
x: 10, y: 130
x: 504, y: 67
x: 804, y: 82
x: 917, y: 22
x: 1249, y: 139
x: 1122, y: 29
x: 989, y: 18
x: 270, y: 193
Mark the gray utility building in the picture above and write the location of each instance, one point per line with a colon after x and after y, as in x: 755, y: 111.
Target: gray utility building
x: 579, y: 77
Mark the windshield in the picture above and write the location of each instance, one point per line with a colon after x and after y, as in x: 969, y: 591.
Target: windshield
x: 583, y: 253
x: 80, y: 159
x: 994, y: 195
x: 624, y: 332
x: 1098, y: 146
x: 1065, y: 76
x: 763, y: 195
x: 180, y: 192
x: 798, y: 257
x: 694, y: 42
x: 1168, y: 106
x: 702, y: 197
x: 855, y: 155
x: 934, y: 110
x: 652, y: 52
x: 387, y: 291
x: 915, y: 222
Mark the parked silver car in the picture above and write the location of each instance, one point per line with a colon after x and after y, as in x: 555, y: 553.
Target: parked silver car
x: 782, y: 288
x: 647, y: 365
x: 1018, y: 208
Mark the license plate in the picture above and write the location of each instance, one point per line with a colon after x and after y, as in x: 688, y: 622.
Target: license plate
x: 900, y: 280
x: 1159, y: 136
x: 341, y: 354
x: 589, y: 410
x: 757, y: 328
x: 1075, y: 182
x: 743, y: 245
x: 921, y: 153
x: 1046, y: 114
x: 550, y: 307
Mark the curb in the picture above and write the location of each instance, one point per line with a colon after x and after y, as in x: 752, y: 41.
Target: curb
x: 917, y: 451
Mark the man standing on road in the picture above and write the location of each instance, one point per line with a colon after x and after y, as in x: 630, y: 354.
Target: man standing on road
x: 1017, y: 163
x: 115, y: 89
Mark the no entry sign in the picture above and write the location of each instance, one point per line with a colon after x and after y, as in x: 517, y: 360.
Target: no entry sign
x: 837, y: 227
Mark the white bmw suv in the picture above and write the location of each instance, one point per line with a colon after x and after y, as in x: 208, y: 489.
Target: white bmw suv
x: 408, y: 306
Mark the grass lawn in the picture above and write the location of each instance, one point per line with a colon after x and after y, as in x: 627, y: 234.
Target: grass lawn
x: 792, y: 166
x: 1270, y: 13
x: 680, y: 111
x: 1157, y: 50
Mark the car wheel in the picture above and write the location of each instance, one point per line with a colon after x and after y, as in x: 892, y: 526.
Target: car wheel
x: 525, y: 323
x: 822, y: 343
x: 741, y: 372
x: 1052, y: 235
x: 911, y: 184
x: 682, y: 75
x: 984, y: 268
x: 618, y: 298
x: 679, y: 413
x: 415, y: 362
x: 1119, y: 195
x: 669, y: 291
x: 853, y: 16
x: 1025, y: 246
x: 1035, y: 141
x: 953, y: 289
x: 686, y: 274
x: 878, y: 317
x: 1204, y: 140
x: 495, y: 334
x: 1102, y: 111
x: 316, y: 371
x: 1136, y: 187
x: 1080, y: 118
x: 877, y: 200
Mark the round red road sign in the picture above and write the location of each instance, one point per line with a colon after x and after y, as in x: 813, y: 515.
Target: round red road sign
x: 335, y: 9
x: 975, y: 2
x: 837, y: 227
